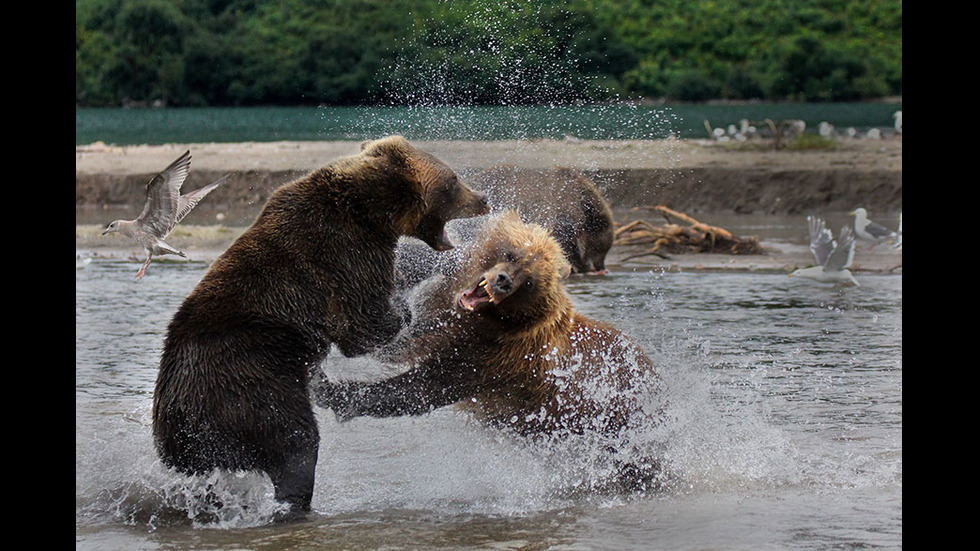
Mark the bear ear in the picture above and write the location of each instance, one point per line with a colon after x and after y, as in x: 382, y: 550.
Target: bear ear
x: 393, y: 146
x: 564, y: 268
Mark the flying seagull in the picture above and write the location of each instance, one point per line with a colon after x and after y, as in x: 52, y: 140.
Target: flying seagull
x: 164, y: 208
x: 868, y: 230
x: 833, y: 258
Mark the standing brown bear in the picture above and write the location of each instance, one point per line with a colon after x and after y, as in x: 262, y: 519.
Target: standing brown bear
x: 502, y: 339
x: 315, y: 268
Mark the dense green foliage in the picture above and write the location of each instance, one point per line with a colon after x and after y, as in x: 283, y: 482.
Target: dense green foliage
x: 289, y: 52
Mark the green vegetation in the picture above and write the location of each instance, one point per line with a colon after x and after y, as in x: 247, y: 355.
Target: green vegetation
x: 344, y: 52
x: 812, y: 142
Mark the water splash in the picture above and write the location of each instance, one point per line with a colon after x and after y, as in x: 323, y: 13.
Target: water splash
x: 467, y: 64
x: 747, y: 412
x: 504, y: 53
x: 742, y: 420
x: 120, y: 480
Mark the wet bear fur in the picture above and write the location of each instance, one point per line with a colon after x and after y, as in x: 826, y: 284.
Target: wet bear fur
x: 314, y: 269
x: 501, y: 338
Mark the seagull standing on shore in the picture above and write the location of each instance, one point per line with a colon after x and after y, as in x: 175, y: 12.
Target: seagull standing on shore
x: 165, y: 207
x: 833, y: 258
x: 898, y: 234
x: 867, y: 230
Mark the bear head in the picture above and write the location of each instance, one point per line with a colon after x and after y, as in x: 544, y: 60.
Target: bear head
x: 587, y: 240
x: 513, y: 273
x: 445, y: 197
x: 565, y: 201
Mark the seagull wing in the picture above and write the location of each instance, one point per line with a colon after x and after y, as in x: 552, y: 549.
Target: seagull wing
x: 821, y: 240
x: 187, y: 202
x: 162, y: 197
x: 843, y: 254
x: 877, y: 231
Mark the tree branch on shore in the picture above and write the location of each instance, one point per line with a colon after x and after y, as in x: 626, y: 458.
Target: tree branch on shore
x: 694, y: 237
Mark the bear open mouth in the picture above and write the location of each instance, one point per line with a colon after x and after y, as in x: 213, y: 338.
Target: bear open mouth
x: 443, y: 243
x: 434, y: 235
x: 477, y: 295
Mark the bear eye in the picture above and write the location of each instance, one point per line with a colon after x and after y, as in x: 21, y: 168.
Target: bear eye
x: 510, y: 257
x: 529, y: 283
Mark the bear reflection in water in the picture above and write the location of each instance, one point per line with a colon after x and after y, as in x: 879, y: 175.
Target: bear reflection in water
x: 499, y: 337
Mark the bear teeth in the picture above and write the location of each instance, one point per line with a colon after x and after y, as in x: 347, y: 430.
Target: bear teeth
x: 486, y: 289
x: 477, y: 294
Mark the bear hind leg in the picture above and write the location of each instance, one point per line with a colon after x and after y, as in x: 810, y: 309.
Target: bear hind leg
x: 294, y: 480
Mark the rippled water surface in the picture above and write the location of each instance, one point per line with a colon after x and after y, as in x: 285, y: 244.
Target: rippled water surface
x: 785, y: 432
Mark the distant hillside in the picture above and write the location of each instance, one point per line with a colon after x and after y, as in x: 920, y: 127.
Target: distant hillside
x: 311, y: 52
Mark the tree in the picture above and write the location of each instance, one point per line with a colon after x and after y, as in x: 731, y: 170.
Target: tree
x: 147, y: 61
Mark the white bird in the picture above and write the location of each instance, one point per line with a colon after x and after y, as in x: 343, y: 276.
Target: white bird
x: 795, y: 127
x: 825, y: 129
x: 898, y: 234
x: 746, y: 129
x: 897, y: 115
x: 833, y: 258
x: 867, y: 230
x: 165, y: 207
x: 82, y: 259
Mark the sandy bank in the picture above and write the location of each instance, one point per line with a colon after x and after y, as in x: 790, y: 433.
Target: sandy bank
x: 715, y: 181
x: 693, y: 176
x: 856, y: 155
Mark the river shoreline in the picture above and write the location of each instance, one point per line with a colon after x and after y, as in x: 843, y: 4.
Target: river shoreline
x: 716, y: 182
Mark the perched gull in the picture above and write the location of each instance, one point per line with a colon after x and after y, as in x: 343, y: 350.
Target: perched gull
x: 833, y: 258
x: 825, y: 129
x: 164, y: 208
x: 867, y: 230
x: 898, y: 234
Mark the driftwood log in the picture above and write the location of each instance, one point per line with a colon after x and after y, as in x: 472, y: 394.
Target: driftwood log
x: 673, y: 238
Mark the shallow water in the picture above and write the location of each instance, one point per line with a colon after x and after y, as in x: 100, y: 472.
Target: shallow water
x: 784, y: 425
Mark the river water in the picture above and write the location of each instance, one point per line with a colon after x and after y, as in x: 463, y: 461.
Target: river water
x: 610, y: 121
x: 785, y: 424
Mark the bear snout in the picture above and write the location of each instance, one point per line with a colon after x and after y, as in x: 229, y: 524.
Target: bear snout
x: 478, y: 203
x: 596, y: 266
x: 502, y: 283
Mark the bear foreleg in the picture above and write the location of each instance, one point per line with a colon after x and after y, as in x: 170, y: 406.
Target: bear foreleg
x: 415, y: 392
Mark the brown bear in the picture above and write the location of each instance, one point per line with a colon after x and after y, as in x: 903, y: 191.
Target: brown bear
x: 562, y: 200
x: 501, y: 338
x: 314, y: 269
